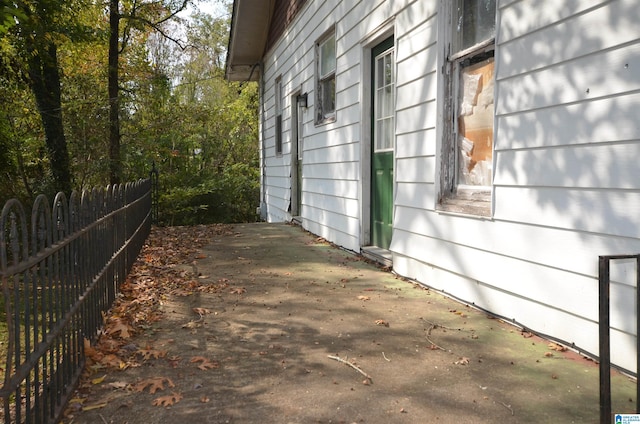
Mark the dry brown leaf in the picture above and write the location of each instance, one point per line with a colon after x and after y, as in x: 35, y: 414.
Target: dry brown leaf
x: 462, y: 361
x: 204, y: 399
x: 201, y: 311
x: 98, y: 380
x: 364, y: 298
x: 94, y: 406
x: 150, y: 353
x: 173, y: 361
x: 192, y: 325
x: 112, y: 361
x: 205, y: 363
x: 154, y: 384
x: 182, y: 292
x: 118, y: 385
x: 91, y: 352
x: 238, y: 290
x: 168, y: 400
x: 556, y: 347
x: 118, y: 326
x: 381, y: 322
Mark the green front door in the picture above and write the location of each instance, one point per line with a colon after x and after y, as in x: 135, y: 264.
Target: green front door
x: 382, y: 136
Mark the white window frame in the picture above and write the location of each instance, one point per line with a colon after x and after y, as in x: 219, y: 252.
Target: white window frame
x: 325, y: 113
x: 454, y: 196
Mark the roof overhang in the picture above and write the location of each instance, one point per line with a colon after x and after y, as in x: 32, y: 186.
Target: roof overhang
x: 248, y: 38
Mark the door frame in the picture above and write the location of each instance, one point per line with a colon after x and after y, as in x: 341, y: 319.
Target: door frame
x: 384, y: 31
x: 296, y: 157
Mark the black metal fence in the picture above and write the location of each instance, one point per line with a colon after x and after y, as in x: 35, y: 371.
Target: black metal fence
x: 60, y: 272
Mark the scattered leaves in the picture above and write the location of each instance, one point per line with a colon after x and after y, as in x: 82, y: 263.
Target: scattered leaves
x: 168, y: 400
x: 205, y: 363
x: 154, y: 384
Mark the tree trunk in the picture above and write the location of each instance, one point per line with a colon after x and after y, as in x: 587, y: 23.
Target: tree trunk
x: 115, y: 165
x: 44, y: 79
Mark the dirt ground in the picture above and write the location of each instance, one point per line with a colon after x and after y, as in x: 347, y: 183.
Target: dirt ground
x: 298, y: 331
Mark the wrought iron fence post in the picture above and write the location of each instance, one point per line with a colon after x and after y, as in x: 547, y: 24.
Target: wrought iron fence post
x: 154, y: 177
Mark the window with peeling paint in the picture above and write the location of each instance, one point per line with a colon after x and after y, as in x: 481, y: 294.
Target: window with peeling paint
x: 467, y: 151
x: 326, y: 78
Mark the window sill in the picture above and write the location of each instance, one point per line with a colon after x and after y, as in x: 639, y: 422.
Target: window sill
x: 327, y: 120
x: 468, y: 202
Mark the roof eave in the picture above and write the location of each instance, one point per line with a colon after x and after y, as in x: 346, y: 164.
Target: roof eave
x: 247, y: 39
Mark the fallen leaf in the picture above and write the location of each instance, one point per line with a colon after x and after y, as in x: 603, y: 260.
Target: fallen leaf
x: 381, y: 322
x: 205, y: 363
x: 168, y: 400
x: 94, y: 406
x: 91, y: 352
x: 99, y: 379
x: 119, y: 326
x: 238, y: 290
x: 204, y: 399
x: 154, y: 384
x: 173, y: 361
x: 557, y: 347
x: 118, y: 385
x: 201, y: 311
x: 462, y: 361
x: 192, y: 324
x: 150, y: 353
x: 364, y: 298
x: 548, y: 354
x: 112, y: 361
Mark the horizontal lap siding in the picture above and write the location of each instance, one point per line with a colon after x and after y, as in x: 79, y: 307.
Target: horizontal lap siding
x: 566, y: 169
x: 332, y: 152
x: 416, y: 120
x: 566, y: 185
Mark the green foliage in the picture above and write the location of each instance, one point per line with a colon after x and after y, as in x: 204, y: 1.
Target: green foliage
x: 176, y: 110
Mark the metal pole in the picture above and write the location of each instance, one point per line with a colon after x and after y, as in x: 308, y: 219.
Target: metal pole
x: 637, y: 334
x: 605, y: 341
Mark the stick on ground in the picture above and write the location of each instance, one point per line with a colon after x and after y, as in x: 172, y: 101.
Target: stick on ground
x: 355, y: 367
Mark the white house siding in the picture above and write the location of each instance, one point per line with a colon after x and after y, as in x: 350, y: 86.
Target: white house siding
x: 566, y: 181
x: 566, y: 149
x: 332, y: 173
